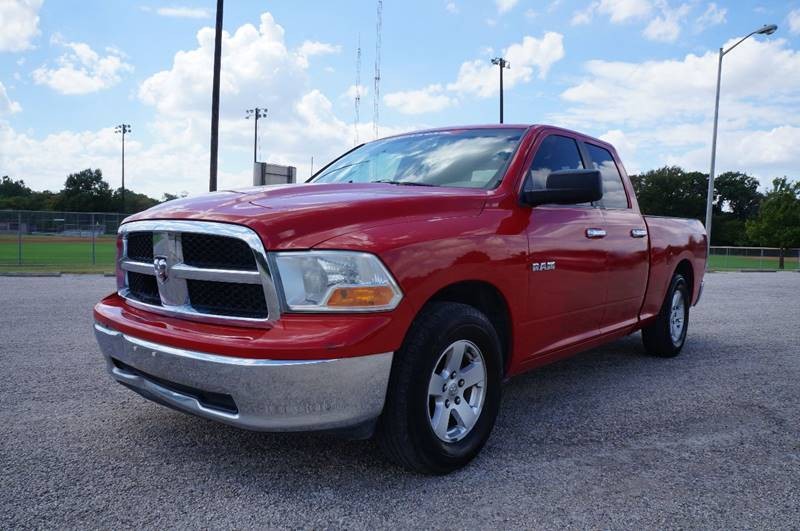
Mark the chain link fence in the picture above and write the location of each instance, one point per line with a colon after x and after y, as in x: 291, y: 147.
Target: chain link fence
x: 755, y: 258
x: 76, y: 241
x: 42, y: 240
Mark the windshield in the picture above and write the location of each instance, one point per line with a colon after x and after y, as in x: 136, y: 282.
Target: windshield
x: 473, y: 158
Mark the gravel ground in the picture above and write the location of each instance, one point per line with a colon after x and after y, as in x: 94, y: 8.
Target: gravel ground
x: 608, y: 439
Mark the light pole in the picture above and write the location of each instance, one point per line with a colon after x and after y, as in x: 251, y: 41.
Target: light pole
x: 123, y: 129
x: 503, y: 64
x: 764, y: 30
x: 255, y: 113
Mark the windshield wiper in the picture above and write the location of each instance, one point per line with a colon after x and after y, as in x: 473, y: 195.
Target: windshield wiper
x: 402, y: 183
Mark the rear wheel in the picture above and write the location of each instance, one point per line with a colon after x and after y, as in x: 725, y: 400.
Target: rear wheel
x: 667, y: 334
x: 444, y: 390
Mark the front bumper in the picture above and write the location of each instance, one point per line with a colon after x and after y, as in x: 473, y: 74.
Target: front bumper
x: 256, y: 394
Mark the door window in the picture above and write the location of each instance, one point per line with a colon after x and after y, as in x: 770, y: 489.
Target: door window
x: 555, y: 153
x: 613, y: 190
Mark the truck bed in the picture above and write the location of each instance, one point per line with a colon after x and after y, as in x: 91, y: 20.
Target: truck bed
x: 673, y: 242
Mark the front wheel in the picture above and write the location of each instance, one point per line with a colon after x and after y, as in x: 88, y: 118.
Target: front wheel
x: 444, y: 391
x: 667, y: 334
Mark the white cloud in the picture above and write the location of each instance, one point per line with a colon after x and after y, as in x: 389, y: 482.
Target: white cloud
x: 618, y: 11
x: 451, y: 7
x: 625, y: 10
x: 479, y: 77
x: 7, y: 105
x: 665, y: 108
x: 583, y: 16
x: 82, y: 70
x: 667, y: 26
x: 712, y: 16
x: 19, y: 24
x: 183, y: 12
x: 429, y: 99
x: 311, y: 48
x: 794, y: 21
x: 504, y: 6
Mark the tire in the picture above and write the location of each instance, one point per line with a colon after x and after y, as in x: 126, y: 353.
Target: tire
x: 406, y: 431
x: 661, y: 338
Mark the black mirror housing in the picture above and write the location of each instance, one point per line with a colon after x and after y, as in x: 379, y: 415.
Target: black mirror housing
x: 567, y: 187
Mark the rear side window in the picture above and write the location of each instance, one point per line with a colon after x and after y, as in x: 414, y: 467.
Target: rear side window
x: 555, y: 153
x: 613, y: 190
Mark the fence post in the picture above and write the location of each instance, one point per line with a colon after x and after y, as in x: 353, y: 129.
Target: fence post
x: 19, y: 238
x: 94, y: 259
x: 761, y: 260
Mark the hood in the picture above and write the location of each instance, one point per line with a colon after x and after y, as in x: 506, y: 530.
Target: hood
x: 298, y: 216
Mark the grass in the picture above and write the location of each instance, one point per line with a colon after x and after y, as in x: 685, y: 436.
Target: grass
x: 47, y: 254
x: 53, y: 253
x: 722, y: 262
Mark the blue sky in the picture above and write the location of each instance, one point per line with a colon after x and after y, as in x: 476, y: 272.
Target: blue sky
x: 639, y: 73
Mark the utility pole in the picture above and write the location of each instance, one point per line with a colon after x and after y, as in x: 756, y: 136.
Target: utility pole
x: 123, y: 129
x: 255, y: 113
x: 503, y: 64
x: 212, y: 177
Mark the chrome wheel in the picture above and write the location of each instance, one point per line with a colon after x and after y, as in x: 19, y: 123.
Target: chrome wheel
x: 677, y: 317
x: 456, y: 391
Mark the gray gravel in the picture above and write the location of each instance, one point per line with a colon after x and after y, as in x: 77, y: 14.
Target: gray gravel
x: 608, y: 439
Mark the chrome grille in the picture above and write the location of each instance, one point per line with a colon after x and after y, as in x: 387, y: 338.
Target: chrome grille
x: 205, y: 271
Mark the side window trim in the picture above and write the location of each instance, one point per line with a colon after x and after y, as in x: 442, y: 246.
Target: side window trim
x: 600, y: 203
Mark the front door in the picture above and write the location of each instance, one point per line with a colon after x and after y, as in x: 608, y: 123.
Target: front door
x: 567, y: 259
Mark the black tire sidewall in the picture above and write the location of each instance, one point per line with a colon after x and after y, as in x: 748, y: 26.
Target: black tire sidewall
x: 445, y: 456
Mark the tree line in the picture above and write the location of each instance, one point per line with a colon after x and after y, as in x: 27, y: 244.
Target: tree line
x: 84, y: 191
x: 742, y: 215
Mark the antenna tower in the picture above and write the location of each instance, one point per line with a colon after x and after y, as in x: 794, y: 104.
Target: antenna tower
x: 376, y: 96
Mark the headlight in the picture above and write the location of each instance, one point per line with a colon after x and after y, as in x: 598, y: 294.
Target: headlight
x: 336, y: 281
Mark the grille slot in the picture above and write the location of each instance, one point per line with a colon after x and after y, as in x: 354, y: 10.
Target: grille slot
x: 140, y: 246
x: 228, y: 298
x: 217, y: 252
x: 144, y: 288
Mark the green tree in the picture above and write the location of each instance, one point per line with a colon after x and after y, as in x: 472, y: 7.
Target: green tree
x: 778, y: 221
x: 671, y: 191
x: 85, y: 191
x: 134, y: 202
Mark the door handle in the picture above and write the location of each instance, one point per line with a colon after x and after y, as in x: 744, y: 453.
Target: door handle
x: 595, y: 233
x: 638, y: 233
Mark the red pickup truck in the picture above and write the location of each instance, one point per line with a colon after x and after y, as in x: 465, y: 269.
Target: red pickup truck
x: 397, y: 289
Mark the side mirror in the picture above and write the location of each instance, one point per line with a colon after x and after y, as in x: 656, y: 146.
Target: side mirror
x: 567, y: 187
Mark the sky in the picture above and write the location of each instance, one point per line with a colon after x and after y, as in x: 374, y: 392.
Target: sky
x: 640, y: 74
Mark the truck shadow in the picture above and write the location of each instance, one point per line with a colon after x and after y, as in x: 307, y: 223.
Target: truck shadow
x: 584, y: 399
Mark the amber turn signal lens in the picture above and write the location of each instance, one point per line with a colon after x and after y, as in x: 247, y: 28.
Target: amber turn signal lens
x: 360, y: 297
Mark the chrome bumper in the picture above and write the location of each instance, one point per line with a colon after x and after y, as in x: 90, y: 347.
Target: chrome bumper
x: 266, y: 395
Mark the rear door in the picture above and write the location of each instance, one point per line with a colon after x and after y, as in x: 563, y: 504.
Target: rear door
x: 626, y: 244
x: 566, y: 265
